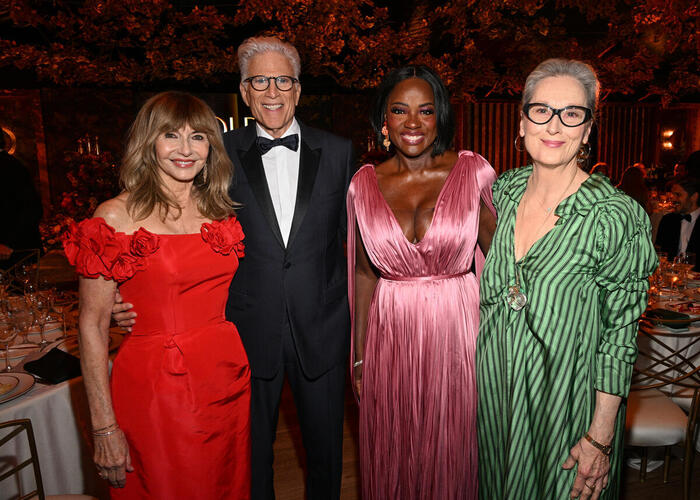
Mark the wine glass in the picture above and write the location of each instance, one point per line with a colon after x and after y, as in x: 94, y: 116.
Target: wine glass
x: 23, y: 274
x: 22, y: 317
x: 4, y: 285
x: 8, y: 332
x: 60, y: 304
x: 41, y: 309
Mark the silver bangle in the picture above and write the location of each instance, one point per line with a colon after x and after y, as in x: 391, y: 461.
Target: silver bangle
x: 357, y: 363
x: 108, y: 433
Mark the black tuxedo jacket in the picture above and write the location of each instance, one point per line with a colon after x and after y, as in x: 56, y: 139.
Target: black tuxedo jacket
x: 306, y: 282
x: 669, y: 234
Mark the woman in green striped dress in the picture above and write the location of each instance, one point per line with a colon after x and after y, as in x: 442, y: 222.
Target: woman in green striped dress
x: 563, y: 286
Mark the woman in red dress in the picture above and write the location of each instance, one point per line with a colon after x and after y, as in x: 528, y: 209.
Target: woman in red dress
x: 172, y: 421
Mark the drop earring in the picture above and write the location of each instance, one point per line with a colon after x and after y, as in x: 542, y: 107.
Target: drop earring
x: 385, y: 133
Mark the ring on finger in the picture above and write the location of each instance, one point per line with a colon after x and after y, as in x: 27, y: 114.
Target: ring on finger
x: 591, y: 486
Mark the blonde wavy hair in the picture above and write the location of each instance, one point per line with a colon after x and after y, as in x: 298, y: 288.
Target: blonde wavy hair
x: 139, y: 177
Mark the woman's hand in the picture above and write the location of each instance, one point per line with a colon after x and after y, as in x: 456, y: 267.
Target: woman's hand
x: 357, y: 372
x: 112, y: 458
x: 592, y: 471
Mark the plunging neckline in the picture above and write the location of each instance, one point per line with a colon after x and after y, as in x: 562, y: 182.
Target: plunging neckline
x: 541, y: 238
x: 392, y: 216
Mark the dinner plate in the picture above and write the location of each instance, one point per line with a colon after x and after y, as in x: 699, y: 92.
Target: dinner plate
x: 21, y: 383
x: 668, y: 294
x: 691, y: 329
x: 17, y: 353
x: 49, y: 326
x: 49, y: 335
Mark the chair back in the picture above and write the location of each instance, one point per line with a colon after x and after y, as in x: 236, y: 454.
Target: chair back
x: 669, y: 360
x: 24, y: 269
x: 13, y: 430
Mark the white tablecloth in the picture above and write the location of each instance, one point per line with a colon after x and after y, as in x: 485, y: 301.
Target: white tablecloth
x: 60, y: 419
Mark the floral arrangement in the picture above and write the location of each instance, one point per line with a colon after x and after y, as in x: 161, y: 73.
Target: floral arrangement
x: 94, y: 178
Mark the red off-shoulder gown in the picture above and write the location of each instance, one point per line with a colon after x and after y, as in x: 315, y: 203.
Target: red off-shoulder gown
x: 180, y: 382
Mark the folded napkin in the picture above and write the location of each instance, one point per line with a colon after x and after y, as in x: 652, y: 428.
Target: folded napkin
x: 55, y: 366
x: 672, y: 319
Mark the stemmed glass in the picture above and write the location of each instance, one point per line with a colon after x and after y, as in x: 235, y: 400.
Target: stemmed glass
x: 59, y: 305
x: 22, y: 317
x: 24, y: 275
x: 8, y: 332
x: 4, y: 285
x: 41, y: 309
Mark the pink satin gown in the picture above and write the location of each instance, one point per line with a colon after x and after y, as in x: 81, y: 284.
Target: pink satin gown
x: 418, y: 405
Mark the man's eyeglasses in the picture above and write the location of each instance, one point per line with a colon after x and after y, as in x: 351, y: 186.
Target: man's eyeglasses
x: 283, y: 82
x: 570, y: 116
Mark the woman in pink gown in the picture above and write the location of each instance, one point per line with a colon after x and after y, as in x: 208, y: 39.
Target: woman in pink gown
x: 419, y: 225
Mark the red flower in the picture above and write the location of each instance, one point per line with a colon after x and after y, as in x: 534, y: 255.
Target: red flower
x: 125, y: 265
x: 96, y: 249
x: 144, y: 243
x: 224, y: 236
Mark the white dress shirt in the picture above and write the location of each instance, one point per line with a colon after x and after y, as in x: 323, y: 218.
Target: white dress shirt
x: 687, y: 230
x: 281, y: 166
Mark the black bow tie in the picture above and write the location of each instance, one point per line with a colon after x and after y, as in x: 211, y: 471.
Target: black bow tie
x: 264, y: 144
x: 686, y: 217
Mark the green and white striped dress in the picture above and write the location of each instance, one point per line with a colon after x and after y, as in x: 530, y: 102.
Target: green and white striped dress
x: 538, y: 369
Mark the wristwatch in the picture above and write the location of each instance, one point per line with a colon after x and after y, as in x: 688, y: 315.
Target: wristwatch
x: 605, y: 449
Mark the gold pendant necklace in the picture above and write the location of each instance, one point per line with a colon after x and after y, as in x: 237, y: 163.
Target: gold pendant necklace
x: 515, y: 298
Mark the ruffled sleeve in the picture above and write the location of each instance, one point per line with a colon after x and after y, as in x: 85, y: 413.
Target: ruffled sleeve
x: 502, y: 187
x: 626, y: 259
x: 96, y: 249
x: 224, y: 236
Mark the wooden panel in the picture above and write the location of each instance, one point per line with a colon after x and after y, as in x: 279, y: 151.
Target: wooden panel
x: 489, y: 128
x: 626, y: 133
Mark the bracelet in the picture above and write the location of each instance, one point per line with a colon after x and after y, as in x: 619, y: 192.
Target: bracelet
x: 106, y: 427
x: 357, y: 363
x: 108, y: 433
x: 605, y: 449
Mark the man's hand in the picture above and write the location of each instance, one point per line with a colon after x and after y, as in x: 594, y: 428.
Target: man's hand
x: 122, y: 314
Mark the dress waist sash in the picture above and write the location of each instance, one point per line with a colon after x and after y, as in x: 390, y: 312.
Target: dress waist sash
x: 424, y: 278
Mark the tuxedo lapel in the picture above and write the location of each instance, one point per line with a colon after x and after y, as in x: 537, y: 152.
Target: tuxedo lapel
x: 308, y: 167
x: 253, y: 167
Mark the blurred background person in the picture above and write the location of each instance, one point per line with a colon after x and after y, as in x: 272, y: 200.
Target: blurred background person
x: 21, y: 204
x: 601, y: 168
x: 692, y: 165
x: 176, y: 409
x: 418, y: 226
x: 678, y: 231
x: 633, y: 183
x: 563, y: 286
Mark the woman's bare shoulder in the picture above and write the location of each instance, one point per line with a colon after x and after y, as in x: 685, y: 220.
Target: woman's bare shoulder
x: 114, y: 212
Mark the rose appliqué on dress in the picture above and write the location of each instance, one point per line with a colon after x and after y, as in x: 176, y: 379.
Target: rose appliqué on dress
x: 224, y: 236
x: 96, y: 249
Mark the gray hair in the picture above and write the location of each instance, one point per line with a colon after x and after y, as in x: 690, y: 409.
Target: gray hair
x: 253, y: 46
x: 581, y: 71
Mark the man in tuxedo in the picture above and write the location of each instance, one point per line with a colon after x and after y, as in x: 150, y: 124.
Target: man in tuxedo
x: 679, y: 232
x: 289, y: 295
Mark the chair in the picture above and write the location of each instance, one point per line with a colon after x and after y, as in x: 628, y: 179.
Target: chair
x: 16, y: 427
x: 25, y: 259
x: 667, y: 370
